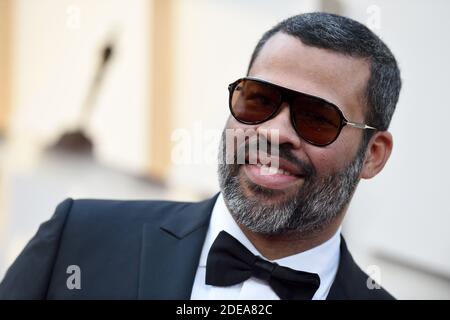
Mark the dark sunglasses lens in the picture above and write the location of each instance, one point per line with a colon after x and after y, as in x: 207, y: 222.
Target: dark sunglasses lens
x: 316, y: 121
x: 254, y: 102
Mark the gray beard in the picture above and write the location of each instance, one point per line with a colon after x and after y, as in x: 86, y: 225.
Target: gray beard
x: 309, y: 210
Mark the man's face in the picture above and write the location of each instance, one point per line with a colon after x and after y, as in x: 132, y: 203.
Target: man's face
x: 325, y: 177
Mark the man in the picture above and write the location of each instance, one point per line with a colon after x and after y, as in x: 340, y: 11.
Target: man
x: 320, y: 91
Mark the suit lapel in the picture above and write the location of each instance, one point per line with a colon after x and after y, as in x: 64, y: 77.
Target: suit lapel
x: 345, y: 279
x: 171, y: 251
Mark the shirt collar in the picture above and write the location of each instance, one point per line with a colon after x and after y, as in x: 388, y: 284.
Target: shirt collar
x: 322, y: 259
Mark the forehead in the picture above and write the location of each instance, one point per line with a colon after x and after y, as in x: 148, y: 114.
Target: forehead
x: 338, y: 78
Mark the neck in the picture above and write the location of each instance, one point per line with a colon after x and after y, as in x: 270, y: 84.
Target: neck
x: 274, y: 247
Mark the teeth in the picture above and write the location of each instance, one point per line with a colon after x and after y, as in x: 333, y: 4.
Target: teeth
x: 272, y: 170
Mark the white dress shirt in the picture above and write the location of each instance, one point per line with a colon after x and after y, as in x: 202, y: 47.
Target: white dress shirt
x: 323, y: 260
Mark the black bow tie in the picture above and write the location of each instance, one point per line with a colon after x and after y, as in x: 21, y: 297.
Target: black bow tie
x: 230, y: 262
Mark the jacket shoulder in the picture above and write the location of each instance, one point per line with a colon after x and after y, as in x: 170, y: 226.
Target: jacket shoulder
x: 93, y: 209
x: 91, y: 234
x: 28, y: 276
x: 352, y: 283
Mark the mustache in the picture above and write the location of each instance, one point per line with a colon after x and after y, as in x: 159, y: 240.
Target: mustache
x: 262, y: 146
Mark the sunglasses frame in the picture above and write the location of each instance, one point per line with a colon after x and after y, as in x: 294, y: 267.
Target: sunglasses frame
x: 286, y: 92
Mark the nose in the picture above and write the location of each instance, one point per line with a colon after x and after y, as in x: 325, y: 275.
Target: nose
x: 282, y: 123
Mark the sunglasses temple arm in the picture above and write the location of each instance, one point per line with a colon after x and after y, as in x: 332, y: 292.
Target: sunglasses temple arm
x: 360, y: 125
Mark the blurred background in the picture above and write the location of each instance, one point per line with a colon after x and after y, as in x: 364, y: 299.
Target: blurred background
x: 127, y: 99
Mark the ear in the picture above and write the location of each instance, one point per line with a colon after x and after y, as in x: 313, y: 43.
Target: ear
x: 378, y: 153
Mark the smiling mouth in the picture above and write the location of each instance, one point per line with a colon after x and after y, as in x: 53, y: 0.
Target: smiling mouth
x: 281, y: 176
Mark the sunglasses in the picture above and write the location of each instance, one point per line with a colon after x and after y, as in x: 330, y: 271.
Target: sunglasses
x: 317, y: 121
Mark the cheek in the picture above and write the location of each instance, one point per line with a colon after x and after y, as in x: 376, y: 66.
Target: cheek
x: 333, y: 158
x: 232, y: 123
x: 237, y: 132
x: 325, y: 161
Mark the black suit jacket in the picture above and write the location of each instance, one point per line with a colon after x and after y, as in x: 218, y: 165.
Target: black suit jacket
x: 132, y: 250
